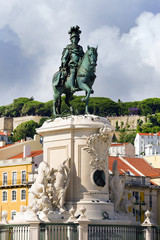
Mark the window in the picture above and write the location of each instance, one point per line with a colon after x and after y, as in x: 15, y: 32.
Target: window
x: 143, y: 180
x: 14, y: 195
x: 150, y: 202
x: 136, y: 195
x: 23, y: 176
x: 4, y: 196
x: 23, y: 194
x: 4, y: 179
x: 13, y: 213
x: 14, y: 178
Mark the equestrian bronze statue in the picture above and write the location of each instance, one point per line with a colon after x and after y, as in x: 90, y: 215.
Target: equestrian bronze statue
x: 76, y: 73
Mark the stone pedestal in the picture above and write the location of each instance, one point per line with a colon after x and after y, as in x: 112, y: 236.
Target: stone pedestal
x: 85, y: 141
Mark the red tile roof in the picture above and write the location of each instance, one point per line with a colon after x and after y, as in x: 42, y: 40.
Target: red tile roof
x: 143, y: 166
x: 7, y: 145
x: 4, y: 134
x: 33, y: 154
x: 118, y: 144
x: 122, y: 166
x: 150, y: 134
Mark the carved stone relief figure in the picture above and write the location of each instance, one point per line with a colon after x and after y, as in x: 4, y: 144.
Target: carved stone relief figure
x: 48, y: 191
x: 38, y: 198
x: 59, y: 181
x: 126, y: 203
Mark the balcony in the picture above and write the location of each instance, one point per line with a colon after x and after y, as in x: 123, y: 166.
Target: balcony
x: 11, y: 183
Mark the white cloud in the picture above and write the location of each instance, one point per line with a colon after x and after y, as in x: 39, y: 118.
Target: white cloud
x: 129, y: 63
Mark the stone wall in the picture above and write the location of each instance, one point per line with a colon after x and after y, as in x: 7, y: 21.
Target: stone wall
x: 19, y: 120
x: 9, y: 123
x: 127, y: 120
x: 6, y: 124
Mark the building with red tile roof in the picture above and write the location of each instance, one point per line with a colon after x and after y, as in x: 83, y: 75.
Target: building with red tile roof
x: 126, y: 149
x: 143, y: 166
x: 123, y: 167
x: 140, y: 181
x: 143, y: 141
x: 4, y: 138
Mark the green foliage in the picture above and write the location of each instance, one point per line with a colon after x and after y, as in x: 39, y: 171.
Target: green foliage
x: 42, y: 120
x: 14, y: 109
x: 126, y: 106
x: 125, y: 137
x: 149, y: 106
x: 117, y: 127
x: 122, y: 137
x: 151, y: 126
x: 33, y: 108
x: 97, y: 105
x: 23, y: 130
x: 130, y: 137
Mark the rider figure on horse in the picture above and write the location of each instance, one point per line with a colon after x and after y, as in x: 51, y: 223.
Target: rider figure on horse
x: 71, y: 58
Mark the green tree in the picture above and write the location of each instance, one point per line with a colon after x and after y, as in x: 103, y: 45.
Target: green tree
x: 41, y: 121
x: 33, y: 108
x: 23, y: 130
x: 117, y: 127
x: 125, y: 137
x: 122, y: 136
x: 130, y: 137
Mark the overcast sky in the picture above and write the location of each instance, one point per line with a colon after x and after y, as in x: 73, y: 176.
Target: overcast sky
x: 33, y: 34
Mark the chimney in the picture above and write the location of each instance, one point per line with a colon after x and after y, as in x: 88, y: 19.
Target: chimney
x: 26, y: 151
x: 5, y: 132
x: 2, y: 143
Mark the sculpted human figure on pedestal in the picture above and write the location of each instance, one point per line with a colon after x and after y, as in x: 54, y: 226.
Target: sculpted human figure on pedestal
x: 116, y: 186
x: 59, y: 183
x: 38, y: 198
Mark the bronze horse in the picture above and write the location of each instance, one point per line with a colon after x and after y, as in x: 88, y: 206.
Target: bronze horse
x: 84, y: 80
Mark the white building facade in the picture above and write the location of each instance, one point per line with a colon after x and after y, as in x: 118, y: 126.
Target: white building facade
x: 147, y: 143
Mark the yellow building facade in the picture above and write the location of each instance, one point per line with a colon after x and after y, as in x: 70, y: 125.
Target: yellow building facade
x: 15, y: 172
x: 14, y: 185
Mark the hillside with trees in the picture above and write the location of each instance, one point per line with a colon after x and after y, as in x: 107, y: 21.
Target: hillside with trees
x: 97, y: 105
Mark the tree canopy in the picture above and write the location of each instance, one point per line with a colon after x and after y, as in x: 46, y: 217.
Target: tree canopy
x: 97, y: 105
x: 23, y: 130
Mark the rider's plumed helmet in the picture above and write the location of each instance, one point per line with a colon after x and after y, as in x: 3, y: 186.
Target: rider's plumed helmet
x: 74, y: 31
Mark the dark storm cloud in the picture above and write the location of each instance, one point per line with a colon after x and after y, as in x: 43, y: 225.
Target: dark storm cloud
x: 16, y: 70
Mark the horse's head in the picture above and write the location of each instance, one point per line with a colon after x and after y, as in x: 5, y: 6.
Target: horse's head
x: 92, y: 55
